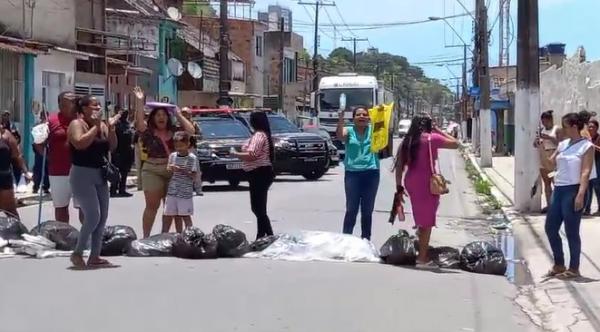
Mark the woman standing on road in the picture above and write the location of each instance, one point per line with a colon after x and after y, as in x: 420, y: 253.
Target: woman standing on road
x: 90, y: 141
x: 257, y: 156
x: 361, y: 179
x: 156, y: 136
x: 549, y: 137
x: 9, y: 154
x: 574, y: 160
x: 417, y: 156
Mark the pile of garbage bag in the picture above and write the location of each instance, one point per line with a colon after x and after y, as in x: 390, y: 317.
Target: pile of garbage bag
x: 117, y: 239
x: 399, y: 249
x: 194, y: 244
x: 231, y: 242
x: 319, y: 246
x: 483, y: 257
x: 11, y: 228
x: 62, y: 234
x: 159, y: 245
x: 445, y: 257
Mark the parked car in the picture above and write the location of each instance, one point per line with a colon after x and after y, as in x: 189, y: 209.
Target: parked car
x: 220, y: 132
x: 296, y: 152
x: 334, y: 155
x: 403, y: 126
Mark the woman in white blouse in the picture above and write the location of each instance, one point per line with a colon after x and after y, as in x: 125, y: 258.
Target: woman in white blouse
x: 574, y: 159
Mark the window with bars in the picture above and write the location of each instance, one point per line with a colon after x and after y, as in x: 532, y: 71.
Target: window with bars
x: 53, y: 83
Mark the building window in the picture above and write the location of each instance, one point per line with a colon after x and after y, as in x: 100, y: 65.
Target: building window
x: 52, y: 85
x: 259, y: 46
x: 289, y: 70
x: 168, y: 50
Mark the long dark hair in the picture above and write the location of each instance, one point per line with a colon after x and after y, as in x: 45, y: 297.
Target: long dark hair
x: 151, y: 123
x: 407, y: 152
x: 260, y: 122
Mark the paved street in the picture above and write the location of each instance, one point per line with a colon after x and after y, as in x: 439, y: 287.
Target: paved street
x: 160, y: 294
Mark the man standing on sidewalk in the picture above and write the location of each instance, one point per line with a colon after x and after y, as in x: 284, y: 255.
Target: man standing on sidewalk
x: 59, y: 156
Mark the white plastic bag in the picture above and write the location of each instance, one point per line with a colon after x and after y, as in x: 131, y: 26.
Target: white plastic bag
x: 319, y: 246
x: 40, y: 133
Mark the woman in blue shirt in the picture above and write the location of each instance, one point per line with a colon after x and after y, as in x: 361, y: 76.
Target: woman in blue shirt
x: 362, y: 170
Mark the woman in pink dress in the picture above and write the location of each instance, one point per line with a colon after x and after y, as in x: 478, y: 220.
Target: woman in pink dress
x: 414, y: 158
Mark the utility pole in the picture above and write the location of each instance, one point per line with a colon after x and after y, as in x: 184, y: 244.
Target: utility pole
x: 224, y: 79
x: 317, y: 4
x: 464, y: 98
x: 527, y: 106
x: 354, y: 41
x: 485, y: 119
x: 281, y: 63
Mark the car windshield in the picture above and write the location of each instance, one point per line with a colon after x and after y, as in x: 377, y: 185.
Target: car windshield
x: 222, y: 128
x: 330, y: 98
x: 280, y: 125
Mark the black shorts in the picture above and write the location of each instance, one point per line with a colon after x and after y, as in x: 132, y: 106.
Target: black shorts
x: 6, y: 181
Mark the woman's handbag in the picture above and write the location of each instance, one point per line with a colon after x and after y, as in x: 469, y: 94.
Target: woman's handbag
x: 110, y: 172
x: 438, y: 185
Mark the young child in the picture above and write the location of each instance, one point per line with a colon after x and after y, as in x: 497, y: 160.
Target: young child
x: 179, y: 204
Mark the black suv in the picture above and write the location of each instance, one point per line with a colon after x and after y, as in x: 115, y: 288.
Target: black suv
x: 220, y: 133
x: 296, y: 152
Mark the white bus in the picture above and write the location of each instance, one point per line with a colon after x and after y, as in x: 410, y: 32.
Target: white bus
x: 359, y: 90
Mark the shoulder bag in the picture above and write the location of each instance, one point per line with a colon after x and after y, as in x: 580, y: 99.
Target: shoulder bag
x: 438, y: 185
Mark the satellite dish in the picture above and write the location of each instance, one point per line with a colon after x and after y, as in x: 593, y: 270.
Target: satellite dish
x: 194, y: 69
x: 174, y: 13
x: 175, y: 67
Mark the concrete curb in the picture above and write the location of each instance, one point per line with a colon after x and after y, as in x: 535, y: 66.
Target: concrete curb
x: 552, y: 305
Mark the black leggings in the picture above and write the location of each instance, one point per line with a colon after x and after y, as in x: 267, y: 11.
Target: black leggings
x: 260, y: 180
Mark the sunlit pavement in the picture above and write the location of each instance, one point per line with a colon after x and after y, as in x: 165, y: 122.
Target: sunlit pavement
x: 160, y: 294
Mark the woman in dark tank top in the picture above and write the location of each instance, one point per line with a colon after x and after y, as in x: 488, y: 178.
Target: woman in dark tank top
x: 90, y: 140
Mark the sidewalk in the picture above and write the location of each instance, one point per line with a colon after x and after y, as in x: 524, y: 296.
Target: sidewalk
x: 573, y: 305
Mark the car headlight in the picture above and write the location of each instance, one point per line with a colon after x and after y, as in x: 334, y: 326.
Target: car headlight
x: 283, y: 144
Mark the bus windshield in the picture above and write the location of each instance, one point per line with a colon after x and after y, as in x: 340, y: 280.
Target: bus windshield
x: 330, y: 98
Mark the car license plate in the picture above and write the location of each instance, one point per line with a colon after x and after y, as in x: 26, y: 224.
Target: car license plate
x: 234, y: 166
x: 310, y: 160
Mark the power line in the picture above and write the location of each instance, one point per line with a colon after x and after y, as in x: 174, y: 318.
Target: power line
x: 344, y: 21
x: 371, y: 26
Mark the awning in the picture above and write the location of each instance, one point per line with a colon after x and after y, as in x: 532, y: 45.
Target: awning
x: 19, y: 49
x: 78, y: 54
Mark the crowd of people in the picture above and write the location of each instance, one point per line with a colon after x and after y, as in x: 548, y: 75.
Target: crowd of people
x: 82, y: 150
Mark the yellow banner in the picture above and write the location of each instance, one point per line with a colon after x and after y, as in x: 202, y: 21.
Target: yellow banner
x: 381, y: 117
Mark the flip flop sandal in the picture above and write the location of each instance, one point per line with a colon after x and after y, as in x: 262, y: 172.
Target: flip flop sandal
x: 427, y: 266
x: 101, y: 264
x: 552, y: 274
x: 568, y: 275
x: 78, y: 263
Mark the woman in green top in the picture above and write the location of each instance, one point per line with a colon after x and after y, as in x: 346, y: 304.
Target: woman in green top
x: 362, y: 171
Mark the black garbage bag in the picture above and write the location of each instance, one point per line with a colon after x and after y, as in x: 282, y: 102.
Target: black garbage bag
x: 117, y: 239
x: 445, y: 257
x: 64, y: 235
x: 231, y: 242
x: 154, y: 246
x: 11, y: 228
x: 194, y: 244
x: 482, y: 257
x: 262, y: 243
x: 399, y: 249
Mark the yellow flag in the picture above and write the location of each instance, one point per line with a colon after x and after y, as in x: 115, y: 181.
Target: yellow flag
x: 381, y: 117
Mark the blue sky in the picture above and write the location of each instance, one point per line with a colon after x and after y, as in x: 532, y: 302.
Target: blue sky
x: 573, y: 22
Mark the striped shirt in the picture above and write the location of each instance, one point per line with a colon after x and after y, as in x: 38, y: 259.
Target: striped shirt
x: 258, y: 148
x: 181, y: 184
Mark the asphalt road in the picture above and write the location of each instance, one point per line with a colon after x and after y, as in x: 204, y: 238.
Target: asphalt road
x: 160, y: 294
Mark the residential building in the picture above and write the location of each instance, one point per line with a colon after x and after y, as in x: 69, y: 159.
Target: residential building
x: 273, y: 16
x: 203, y: 50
